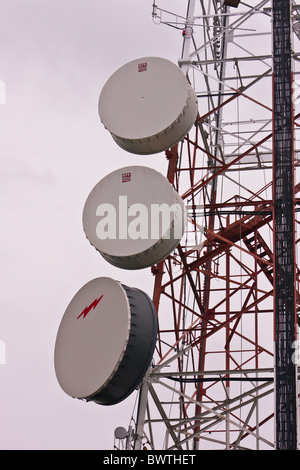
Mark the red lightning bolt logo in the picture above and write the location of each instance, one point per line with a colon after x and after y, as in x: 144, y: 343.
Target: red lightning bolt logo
x: 88, y: 309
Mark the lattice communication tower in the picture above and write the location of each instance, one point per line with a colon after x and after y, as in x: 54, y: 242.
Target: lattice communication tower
x: 225, y: 372
x: 214, y: 353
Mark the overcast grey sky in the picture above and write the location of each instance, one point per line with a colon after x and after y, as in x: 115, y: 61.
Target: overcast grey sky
x: 55, y: 57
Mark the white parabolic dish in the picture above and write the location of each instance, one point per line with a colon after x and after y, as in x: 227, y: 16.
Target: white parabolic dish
x: 105, y: 341
x: 148, y: 105
x: 134, y: 217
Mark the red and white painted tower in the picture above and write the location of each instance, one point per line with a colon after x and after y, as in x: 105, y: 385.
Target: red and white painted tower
x: 226, y: 289
x: 227, y: 296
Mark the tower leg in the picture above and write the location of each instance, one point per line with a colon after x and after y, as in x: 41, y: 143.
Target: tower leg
x: 284, y: 230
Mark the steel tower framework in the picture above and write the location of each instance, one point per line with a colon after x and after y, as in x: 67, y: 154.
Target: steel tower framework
x: 224, y: 372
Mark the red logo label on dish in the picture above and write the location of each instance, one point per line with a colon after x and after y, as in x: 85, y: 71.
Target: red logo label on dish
x: 126, y: 177
x: 88, y: 309
x: 142, y: 67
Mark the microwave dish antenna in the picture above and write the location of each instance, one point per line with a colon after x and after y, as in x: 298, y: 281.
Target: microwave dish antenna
x: 105, y: 342
x: 134, y: 217
x: 148, y: 105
